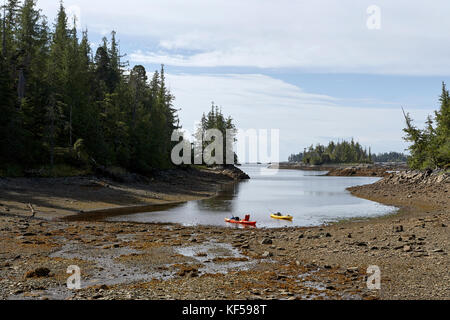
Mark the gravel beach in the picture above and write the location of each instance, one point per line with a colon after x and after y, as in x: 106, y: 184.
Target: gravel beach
x: 167, y: 261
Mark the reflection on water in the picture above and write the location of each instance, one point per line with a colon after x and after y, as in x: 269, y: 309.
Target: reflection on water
x: 309, y: 197
x: 223, y: 202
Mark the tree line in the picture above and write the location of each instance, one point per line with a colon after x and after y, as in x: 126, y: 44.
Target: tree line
x: 430, y: 147
x: 390, y: 157
x: 334, y: 152
x: 61, y: 103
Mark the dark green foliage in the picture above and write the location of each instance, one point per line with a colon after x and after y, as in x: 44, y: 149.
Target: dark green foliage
x: 62, y: 105
x: 216, y: 120
x: 430, y: 147
x: 340, y: 152
x: 390, y: 157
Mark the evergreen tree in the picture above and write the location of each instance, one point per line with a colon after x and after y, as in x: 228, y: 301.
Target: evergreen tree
x: 430, y: 147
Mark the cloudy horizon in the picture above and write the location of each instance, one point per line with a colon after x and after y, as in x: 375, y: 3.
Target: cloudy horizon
x: 314, y: 70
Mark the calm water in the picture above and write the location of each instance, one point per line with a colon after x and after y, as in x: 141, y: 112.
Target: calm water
x: 310, y: 198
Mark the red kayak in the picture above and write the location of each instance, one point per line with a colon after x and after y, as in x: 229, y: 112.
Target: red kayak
x: 248, y: 223
x: 244, y: 222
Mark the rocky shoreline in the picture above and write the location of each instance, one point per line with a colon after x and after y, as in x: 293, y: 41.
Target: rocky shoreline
x: 346, y: 170
x: 167, y: 261
x: 417, y: 190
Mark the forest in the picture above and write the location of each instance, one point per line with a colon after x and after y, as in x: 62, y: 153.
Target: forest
x: 334, y: 152
x: 65, y: 107
x: 390, y: 157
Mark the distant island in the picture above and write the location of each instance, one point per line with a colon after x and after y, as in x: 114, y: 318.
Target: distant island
x: 343, y: 152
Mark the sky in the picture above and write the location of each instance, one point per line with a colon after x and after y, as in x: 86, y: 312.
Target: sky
x: 316, y: 70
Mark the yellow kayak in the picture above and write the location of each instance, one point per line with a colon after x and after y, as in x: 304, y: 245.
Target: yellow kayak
x: 280, y: 217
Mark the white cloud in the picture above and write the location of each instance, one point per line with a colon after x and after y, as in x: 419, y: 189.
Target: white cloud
x: 261, y: 102
x: 317, y: 36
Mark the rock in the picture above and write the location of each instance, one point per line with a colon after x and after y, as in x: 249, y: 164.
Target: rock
x: 266, y: 241
x: 29, y: 234
x: 188, y: 271
x: 38, y: 273
x: 407, y: 249
x: 233, y: 172
x: 267, y: 254
x: 328, y: 235
x: 201, y: 254
x: 438, y: 250
x: 301, y: 236
x: 398, y: 228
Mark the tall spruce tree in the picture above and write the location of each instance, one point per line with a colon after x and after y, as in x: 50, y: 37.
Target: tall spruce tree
x: 61, y: 105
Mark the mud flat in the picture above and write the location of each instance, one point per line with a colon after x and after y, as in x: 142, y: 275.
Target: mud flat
x: 166, y: 261
x: 163, y: 261
x: 60, y: 197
